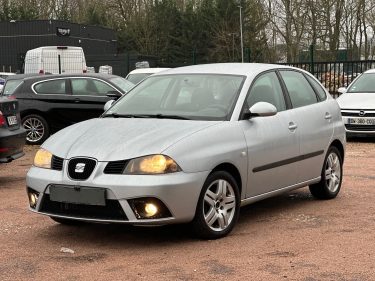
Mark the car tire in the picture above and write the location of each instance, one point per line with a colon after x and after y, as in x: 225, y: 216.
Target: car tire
x: 37, y: 128
x: 218, y: 206
x: 331, y: 176
x: 66, y: 221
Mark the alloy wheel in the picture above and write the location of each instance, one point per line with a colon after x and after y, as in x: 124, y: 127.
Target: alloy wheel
x: 333, y: 172
x: 219, y: 205
x: 34, y: 129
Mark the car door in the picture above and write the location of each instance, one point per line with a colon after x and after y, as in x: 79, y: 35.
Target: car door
x: 312, y: 118
x: 90, y: 96
x: 52, y: 97
x: 272, y: 142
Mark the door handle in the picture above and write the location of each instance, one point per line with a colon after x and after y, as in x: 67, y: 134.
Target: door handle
x: 292, y: 126
x: 328, y: 116
x: 77, y: 100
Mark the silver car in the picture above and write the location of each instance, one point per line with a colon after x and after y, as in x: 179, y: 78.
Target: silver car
x: 193, y: 145
x: 358, y: 105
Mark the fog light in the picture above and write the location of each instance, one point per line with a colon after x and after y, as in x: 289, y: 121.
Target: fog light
x: 33, y: 198
x: 150, y: 209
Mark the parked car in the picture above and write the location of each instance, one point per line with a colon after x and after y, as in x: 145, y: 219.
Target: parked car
x: 193, y: 144
x: 357, y: 104
x: 137, y: 75
x: 5, y: 75
x: 2, y: 82
x: 12, y: 135
x: 49, y: 103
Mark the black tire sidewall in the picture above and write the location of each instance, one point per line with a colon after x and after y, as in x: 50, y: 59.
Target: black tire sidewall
x: 200, y: 226
x: 45, y: 124
x: 337, y: 152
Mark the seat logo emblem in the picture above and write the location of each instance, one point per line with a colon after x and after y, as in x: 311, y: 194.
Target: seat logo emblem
x: 80, y: 168
x: 362, y: 113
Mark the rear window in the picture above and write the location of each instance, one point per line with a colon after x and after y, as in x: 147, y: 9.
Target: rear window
x: 11, y: 86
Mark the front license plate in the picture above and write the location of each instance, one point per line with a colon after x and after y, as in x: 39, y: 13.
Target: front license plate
x: 12, y: 120
x: 77, y: 195
x: 361, y: 121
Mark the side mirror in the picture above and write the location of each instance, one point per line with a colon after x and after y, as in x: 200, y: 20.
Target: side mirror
x: 342, y: 90
x: 108, y: 104
x: 262, y: 109
x: 113, y: 95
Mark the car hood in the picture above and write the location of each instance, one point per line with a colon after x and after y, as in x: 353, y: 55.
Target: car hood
x: 357, y: 101
x: 110, y: 139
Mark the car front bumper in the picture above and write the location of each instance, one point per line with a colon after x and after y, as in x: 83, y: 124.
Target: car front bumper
x: 364, y: 129
x: 11, y: 144
x: 179, y: 192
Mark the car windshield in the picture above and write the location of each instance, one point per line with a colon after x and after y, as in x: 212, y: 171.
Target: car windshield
x: 181, y: 96
x: 137, y: 77
x: 122, y: 83
x: 11, y: 86
x: 364, y: 84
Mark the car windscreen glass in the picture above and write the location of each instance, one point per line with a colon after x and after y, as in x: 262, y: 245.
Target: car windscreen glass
x: 364, y: 84
x: 122, y: 83
x: 11, y: 86
x: 187, y: 96
x: 135, y: 78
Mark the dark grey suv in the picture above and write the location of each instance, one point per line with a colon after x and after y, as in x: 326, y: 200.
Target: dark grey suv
x: 51, y: 102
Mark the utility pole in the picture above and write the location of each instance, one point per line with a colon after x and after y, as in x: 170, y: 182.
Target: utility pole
x: 241, y: 31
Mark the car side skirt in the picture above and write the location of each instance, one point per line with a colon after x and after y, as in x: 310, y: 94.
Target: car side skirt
x: 256, y: 198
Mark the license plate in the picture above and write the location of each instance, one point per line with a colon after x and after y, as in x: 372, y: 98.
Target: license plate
x: 12, y: 120
x: 361, y: 121
x: 77, y: 195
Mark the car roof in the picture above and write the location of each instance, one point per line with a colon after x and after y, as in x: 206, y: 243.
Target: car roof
x: 52, y: 76
x: 247, y: 69
x: 370, y: 71
x: 148, y: 70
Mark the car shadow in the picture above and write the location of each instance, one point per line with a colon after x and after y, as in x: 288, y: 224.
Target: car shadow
x: 121, y: 235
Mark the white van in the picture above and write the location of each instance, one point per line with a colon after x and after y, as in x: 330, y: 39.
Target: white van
x: 55, y: 60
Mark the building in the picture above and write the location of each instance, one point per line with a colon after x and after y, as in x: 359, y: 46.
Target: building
x: 17, y: 37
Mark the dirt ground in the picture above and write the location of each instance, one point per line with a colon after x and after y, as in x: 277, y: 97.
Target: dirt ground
x: 290, y: 237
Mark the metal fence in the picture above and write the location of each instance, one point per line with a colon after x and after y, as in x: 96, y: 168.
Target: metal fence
x: 334, y: 75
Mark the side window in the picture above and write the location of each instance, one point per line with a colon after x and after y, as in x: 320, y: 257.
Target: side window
x: 53, y: 87
x: 90, y: 87
x: 318, y: 88
x: 299, y: 89
x: 267, y: 89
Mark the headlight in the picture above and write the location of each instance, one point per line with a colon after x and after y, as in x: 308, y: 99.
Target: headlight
x: 152, y: 164
x: 43, y: 159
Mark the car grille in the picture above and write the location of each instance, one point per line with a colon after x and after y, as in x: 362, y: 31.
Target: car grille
x: 356, y: 114
x: 57, y: 163
x: 362, y: 128
x: 81, y: 174
x: 115, y: 167
x: 111, y: 211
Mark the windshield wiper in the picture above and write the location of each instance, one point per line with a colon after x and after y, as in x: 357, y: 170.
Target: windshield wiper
x: 159, y: 116
x: 116, y: 115
x: 167, y: 116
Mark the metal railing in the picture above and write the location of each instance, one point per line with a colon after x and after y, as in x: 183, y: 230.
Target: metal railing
x: 334, y: 75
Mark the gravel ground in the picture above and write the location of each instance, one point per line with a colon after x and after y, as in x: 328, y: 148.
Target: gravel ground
x: 290, y: 237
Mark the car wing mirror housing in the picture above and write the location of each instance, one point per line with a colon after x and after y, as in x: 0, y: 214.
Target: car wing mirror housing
x: 342, y: 90
x: 113, y: 95
x: 108, y: 104
x: 262, y: 109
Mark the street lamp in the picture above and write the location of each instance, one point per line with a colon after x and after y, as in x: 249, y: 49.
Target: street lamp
x: 239, y: 6
x: 232, y: 34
